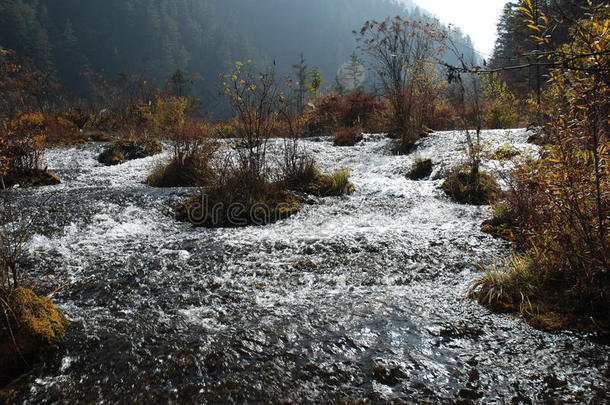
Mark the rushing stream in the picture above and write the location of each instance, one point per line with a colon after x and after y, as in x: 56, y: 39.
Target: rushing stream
x: 353, y: 300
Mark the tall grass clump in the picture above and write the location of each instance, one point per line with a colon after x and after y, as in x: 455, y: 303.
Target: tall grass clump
x: 469, y: 186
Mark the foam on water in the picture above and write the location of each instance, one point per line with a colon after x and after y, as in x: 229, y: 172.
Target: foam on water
x: 358, y: 297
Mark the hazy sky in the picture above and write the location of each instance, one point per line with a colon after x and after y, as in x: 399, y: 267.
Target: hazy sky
x: 477, y: 18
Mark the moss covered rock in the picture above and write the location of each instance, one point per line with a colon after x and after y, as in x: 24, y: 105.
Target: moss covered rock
x: 32, y: 324
x: 125, y: 150
x: 31, y: 178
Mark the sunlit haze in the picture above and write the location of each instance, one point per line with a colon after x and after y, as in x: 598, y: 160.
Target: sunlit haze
x: 476, y: 18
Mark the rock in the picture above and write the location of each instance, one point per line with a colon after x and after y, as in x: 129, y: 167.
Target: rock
x: 470, y: 394
x: 553, y: 382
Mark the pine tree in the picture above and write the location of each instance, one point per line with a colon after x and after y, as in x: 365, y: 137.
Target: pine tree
x: 181, y: 85
x: 352, y: 74
x: 301, y: 83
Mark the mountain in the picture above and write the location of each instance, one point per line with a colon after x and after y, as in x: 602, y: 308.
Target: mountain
x: 199, y: 36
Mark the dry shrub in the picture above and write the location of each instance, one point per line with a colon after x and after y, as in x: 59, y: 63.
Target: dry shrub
x: 21, y: 151
x: 61, y: 132
x: 443, y: 117
x: 381, y: 120
x: 357, y: 108
x: 348, y: 136
x: 25, y: 136
x: 560, y: 201
x: 226, y: 129
x: 191, y: 162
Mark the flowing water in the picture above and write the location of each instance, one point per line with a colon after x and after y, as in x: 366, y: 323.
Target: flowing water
x: 357, y: 299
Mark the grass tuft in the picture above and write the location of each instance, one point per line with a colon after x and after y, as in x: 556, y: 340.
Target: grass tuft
x: 422, y: 168
x: 522, y: 287
x: 467, y: 187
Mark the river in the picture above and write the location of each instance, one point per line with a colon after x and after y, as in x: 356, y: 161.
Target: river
x: 353, y: 300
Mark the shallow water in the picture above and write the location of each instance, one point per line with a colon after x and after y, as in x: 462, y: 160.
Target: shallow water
x: 353, y: 300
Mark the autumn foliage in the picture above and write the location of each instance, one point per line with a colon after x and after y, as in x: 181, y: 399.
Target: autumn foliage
x: 558, y: 205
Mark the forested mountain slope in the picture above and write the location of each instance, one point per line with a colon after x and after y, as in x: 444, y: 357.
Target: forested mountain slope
x: 199, y: 36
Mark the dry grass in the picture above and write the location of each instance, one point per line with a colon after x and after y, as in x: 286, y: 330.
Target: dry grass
x: 468, y: 188
x: 521, y: 287
x: 238, y: 200
x: 312, y: 181
x: 505, y: 152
